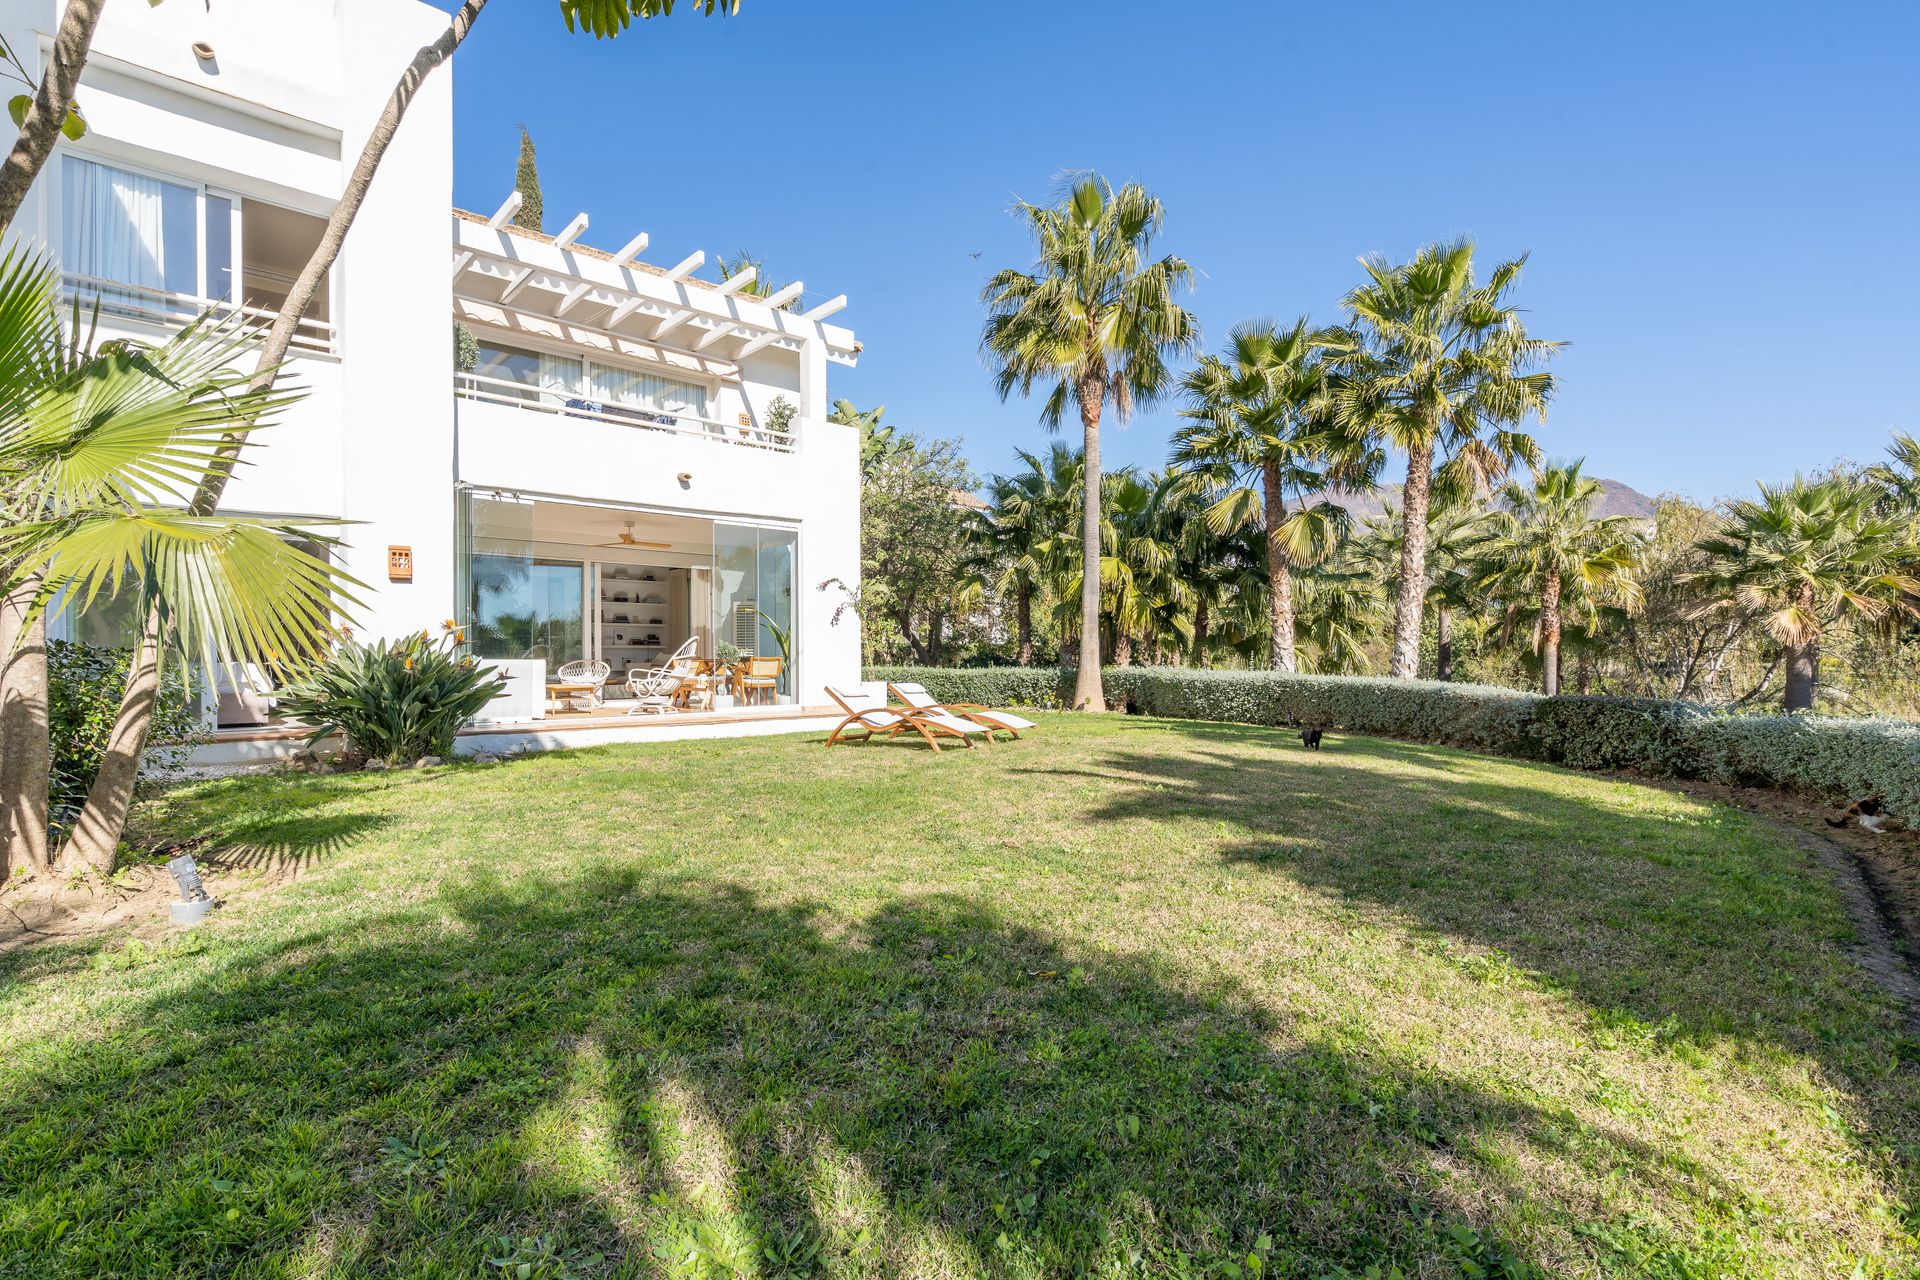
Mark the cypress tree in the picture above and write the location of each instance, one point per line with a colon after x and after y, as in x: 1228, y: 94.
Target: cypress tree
x: 526, y: 180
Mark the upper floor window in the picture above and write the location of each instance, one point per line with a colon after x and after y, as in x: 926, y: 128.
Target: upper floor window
x: 577, y: 382
x: 159, y: 236
x: 175, y: 247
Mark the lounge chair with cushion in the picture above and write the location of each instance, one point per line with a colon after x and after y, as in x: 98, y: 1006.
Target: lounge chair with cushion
x: 916, y: 697
x: 868, y: 714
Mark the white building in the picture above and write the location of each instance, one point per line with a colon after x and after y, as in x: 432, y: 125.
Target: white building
x: 610, y: 478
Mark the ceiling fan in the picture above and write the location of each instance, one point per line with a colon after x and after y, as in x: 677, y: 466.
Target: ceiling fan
x: 628, y: 540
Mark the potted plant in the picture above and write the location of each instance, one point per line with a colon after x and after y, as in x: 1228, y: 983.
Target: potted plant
x: 728, y: 654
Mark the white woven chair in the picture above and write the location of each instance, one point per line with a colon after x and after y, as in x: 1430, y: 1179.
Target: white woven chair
x: 589, y: 676
x: 653, y: 687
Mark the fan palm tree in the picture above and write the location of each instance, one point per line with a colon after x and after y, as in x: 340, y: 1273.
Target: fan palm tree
x: 1259, y: 432
x: 1804, y: 555
x: 96, y: 448
x: 1340, y: 609
x: 1455, y: 529
x: 1021, y: 531
x: 1440, y: 367
x: 1545, y: 546
x: 1095, y: 320
x: 1140, y: 585
x: 1899, y: 476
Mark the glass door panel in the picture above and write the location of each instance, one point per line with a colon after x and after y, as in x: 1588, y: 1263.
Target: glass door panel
x: 522, y: 606
x: 753, y: 593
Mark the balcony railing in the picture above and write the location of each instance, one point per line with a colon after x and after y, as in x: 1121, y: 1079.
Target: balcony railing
x: 573, y: 404
x: 158, y: 306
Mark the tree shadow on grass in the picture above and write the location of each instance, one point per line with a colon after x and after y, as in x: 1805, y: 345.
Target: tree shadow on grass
x: 634, y: 1079
x: 1673, y: 921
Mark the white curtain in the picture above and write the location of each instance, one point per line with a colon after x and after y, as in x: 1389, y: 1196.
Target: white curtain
x: 115, y: 225
x: 646, y: 391
x: 560, y: 374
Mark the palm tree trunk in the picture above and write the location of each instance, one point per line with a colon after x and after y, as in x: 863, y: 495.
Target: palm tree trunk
x: 96, y: 836
x: 105, y: 815
x: 40, y: 127
x: 1279, y: 572
x: 1803, y: 663
x: 1416, y: 497
x: 1087, y: 694
x: 1122, y: 647
x: 1443, y: 632
x: 1023, y: 616
x: 26, y: 756
x: 1200, y: 622
x: 1550, y: 633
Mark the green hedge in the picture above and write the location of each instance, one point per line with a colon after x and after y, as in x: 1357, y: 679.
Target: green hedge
x: 1832, y: 759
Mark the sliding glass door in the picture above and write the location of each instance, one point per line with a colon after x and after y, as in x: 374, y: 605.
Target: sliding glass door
x: 520, y: 604
x: 753, y: 570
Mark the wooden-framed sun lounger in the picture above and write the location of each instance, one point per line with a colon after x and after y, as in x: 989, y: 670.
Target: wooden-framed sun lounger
x: 921, y: 702
x: 868, y: 714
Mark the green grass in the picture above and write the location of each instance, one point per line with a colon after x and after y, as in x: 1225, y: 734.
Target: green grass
x: 1131, y: 997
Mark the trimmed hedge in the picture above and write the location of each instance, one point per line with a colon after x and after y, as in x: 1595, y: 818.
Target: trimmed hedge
x: 1833, y: 759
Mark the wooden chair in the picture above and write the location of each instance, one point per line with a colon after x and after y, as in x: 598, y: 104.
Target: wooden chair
x: 759, y: 676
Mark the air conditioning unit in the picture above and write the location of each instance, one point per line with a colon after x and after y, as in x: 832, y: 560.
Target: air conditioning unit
x: 746, y: 626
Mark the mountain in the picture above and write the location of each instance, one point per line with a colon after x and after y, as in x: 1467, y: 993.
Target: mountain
x: 1616, y: 499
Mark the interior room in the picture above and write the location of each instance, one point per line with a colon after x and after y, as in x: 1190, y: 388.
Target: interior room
x: 565, y: 582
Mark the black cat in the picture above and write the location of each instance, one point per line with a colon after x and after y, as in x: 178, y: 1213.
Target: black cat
x: 1311, y: 737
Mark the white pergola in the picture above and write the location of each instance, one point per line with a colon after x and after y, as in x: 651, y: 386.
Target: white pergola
x: 618, y: 296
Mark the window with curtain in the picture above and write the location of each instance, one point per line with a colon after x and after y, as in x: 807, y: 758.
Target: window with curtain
x: 136, y: 230
x: 535, y: 370
x: 648, y: 391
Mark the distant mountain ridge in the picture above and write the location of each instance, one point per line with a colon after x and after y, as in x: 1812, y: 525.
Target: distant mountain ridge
x: 1616, y: 499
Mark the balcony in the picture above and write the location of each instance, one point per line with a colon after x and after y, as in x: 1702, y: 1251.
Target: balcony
x: 173, y: 310
x: 564, y: 403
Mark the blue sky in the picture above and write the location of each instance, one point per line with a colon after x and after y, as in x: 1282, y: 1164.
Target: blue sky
x: 1721, y: 202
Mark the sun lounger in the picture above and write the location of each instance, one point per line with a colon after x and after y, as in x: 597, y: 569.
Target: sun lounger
x: 920, y: 702
x: 868, y: 714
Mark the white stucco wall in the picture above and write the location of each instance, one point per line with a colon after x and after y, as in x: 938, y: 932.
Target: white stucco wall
x: 279, y: 116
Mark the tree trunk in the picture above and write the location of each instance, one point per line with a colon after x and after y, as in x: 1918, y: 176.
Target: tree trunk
x: 280, y: 337
x: 40, y: 129
x: 1443, y: 649
x: 26, y: 757
x: 1087, y: 694
x: 1023, y: 617
x: 1200, y: 623
x: 1122, y: 647
x: 96, y: 836
x: 1802, y: 664
x: 1550, y: 633
x: 1279, y: 572
x: 102, y: 827
x: 1415, y: 498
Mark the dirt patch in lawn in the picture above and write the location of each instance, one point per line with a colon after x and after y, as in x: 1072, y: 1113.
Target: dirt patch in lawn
x: 135, y: 903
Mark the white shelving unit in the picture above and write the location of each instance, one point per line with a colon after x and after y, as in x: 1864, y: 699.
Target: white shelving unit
x: 639, y: 615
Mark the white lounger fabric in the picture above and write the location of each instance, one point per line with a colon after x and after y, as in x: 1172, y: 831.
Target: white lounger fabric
x: 917, y: 697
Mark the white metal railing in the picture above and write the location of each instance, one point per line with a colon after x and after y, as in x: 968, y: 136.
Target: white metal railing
x: 577, y: 404
x: 159, y: 306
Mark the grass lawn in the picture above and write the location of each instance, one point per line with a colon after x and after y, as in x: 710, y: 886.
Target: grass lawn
x: 1131, y: 997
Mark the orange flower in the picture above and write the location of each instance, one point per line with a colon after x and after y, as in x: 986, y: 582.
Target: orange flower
x: 448, y: 625
x: 409, y: 664
x: 460, y: 637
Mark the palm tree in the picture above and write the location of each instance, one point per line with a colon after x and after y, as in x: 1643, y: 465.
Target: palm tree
x: 1804, y: 555
x: 1096, y: 319
x: 1899, y: 477
x: 1020, y: 530
x: 1440, y: 367
x: 1140, y: 584
x: 1340, y: 609
x: 95, y: 447
x: 1455, y: 529
x: 1545, y: 546
x: 1259, y: 432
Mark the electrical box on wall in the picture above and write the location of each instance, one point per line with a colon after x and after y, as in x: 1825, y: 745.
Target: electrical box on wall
x: 399, y: 564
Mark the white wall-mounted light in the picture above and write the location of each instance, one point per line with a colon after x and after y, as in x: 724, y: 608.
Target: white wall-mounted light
x: 203, y: 51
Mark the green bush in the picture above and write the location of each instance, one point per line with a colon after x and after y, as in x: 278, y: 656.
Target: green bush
x: 394, y: 702
x: 1832, y: 759
x: 1044, y: 687
x: 84, y: 684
